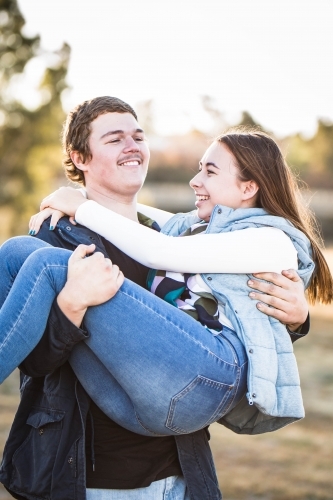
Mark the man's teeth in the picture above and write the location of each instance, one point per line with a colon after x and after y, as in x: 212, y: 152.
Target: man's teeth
x: 131, y: 163
x: 200, y: 197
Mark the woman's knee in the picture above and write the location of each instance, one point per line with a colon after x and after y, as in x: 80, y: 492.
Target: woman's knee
x: 15, y: 251
x: 21, y: 246
x: 48, y: 257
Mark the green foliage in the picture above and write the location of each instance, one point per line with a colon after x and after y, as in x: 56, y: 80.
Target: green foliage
x: 313, y: 158
x: 30, y: 149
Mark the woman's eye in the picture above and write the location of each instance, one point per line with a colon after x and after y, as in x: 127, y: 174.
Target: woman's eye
x: 210, y: 172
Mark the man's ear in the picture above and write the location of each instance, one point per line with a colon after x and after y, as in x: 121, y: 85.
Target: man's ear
x: 77, y: 160
x: 250, y: 189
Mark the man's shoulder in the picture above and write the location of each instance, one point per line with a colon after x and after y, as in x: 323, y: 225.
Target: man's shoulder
x: 69, y: 236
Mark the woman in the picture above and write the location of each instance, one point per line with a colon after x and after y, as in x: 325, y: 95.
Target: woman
x: 195, y: 372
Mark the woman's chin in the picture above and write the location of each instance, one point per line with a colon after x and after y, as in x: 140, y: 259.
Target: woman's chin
x: 203, y: 215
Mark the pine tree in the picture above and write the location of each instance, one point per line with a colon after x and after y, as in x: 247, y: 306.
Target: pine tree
x: 30, y: 151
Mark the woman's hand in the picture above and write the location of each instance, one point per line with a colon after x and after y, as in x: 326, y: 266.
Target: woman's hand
x: 37, y: 220
x: 64, y: 201
x: 282, y: 296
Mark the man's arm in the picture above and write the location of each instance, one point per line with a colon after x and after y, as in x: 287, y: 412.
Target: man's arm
x: 54, y: 348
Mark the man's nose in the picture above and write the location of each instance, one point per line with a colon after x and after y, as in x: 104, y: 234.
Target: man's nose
x: 131, y: 144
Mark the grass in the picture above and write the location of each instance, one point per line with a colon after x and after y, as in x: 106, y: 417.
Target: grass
x: 294, y: 463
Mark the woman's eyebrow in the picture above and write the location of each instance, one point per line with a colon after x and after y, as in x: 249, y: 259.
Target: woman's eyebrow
x: 208, y: 164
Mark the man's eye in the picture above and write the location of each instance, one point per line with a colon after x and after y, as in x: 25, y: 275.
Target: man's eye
x: 139, y: 139
x: 113, y: 141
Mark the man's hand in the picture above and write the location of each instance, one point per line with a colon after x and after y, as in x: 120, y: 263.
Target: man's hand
x: 90, y: 282
x: 285, y: 294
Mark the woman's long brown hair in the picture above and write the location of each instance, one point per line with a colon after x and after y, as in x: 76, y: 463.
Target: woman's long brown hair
x: 259, y: 159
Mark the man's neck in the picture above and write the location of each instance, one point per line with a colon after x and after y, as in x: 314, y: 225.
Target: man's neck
x: 122, y: 205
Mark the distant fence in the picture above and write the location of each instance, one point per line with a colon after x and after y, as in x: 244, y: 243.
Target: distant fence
x: 180, y: 198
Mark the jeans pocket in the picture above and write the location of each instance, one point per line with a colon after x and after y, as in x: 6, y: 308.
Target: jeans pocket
x: 33, y: 461
x: 199, y: 404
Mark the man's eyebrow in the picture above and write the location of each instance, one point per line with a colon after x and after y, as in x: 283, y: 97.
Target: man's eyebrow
x: 114, y: 132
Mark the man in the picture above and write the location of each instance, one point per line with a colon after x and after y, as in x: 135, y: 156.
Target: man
x: 61, y: 443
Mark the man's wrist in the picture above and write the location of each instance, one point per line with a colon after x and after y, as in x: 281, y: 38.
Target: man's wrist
x: 70, y: 307
x: 295, y: 327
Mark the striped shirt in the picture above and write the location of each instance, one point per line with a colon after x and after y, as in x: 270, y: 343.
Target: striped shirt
x: 190, y: 293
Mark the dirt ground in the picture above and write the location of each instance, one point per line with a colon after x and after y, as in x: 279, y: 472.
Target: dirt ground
x: 294, y: 463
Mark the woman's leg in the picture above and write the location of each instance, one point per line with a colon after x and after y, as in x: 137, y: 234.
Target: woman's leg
x: 13, y: 254
x: 177, y: 376
x: 168, y: 372
x: 28, y: 286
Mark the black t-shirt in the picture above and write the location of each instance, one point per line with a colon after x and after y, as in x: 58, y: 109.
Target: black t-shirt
x: 123, y: 459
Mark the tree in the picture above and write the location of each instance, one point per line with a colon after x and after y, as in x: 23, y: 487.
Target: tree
x: 30, y: 149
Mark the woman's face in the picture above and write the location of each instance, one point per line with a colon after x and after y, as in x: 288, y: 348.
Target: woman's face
x: 217, y: 183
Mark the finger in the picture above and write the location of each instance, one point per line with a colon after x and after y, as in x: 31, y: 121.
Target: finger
x: 120, y: 279
x: 115, y: 271
x: 270, y: 300
x: 38, y: 219
x: 72, y: 220
x: 292, y: 275
x: 31, y: 222
x: 45, y: 202
x: 276, y: 278
x: 271, y: 311
x: 82, y: 251
x: 56, y: 216
x: 269, y: 289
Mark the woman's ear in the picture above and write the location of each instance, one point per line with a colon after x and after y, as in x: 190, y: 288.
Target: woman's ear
x: 77, y: 160
x: 250, y: 189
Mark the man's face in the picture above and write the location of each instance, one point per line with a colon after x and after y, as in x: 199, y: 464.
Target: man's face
x: 120, y: 157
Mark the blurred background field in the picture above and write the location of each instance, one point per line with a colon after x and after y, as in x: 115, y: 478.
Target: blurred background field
x: 292, y: 79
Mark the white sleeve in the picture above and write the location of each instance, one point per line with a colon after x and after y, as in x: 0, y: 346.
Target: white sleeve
x: 160, y: 216
x: 245, y: 251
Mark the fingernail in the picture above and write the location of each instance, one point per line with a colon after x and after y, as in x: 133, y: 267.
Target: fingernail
x: 51, y: 228
x: 250, y: 282
x: 32, y: 232
x: 259, y: 305
x: 252, y: 294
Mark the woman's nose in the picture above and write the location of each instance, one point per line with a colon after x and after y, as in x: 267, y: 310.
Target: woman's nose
x: 195, y: 182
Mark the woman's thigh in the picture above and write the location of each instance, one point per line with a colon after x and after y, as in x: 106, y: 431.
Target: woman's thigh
x: 177, y: 375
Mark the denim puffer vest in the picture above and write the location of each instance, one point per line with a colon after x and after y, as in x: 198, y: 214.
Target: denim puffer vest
x: 274, y: 396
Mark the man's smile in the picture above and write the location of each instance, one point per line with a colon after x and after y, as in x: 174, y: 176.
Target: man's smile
x: 131, y: 162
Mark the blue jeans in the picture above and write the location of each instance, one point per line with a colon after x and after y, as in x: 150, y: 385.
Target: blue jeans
x: 150, y: 367
x: 171, y: 488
